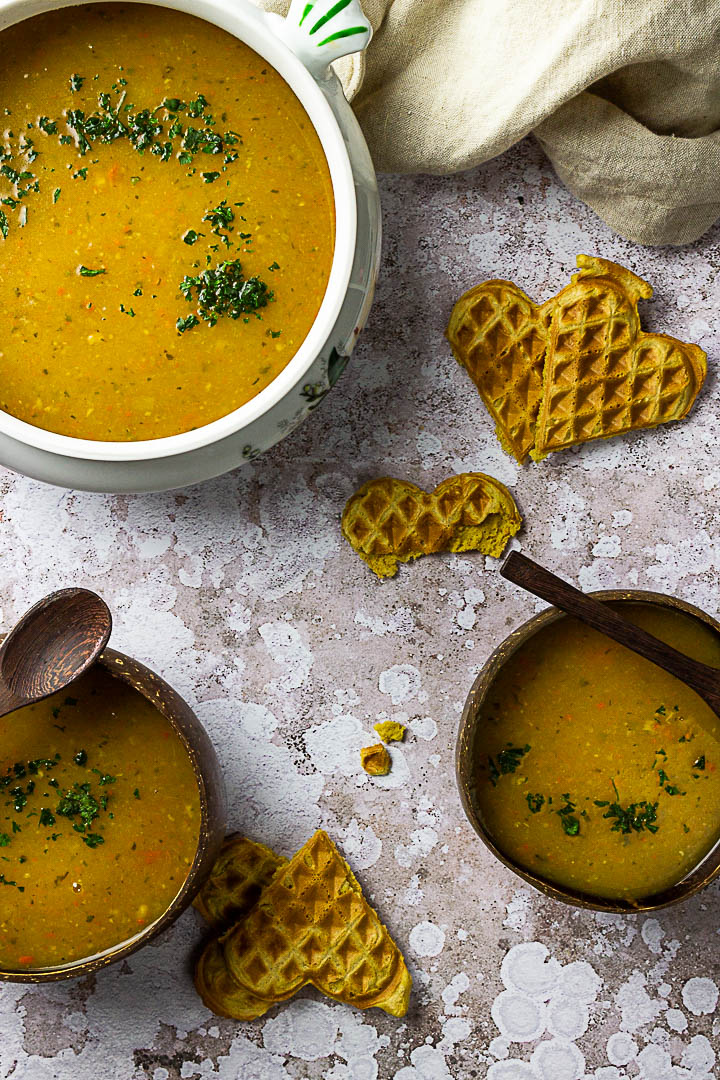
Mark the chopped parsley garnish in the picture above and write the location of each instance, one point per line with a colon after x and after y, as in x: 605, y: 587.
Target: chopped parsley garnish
x: 47, y: 125
x: 664, y: 780
x: 147, y: 132
x: 4, y: 839
x: 507, y: 762
x: 535, y: 802
x: 4, y: 881
x: 79, y: 803
x: 570, y: 823
x: 76, y: 82
x: 187, y: 323
x: 105, y: 778
x: 221, y: 291
x: 85, y: 271
x: 632, y: 818
x: 80, y: 758
x: 220, y: 217
x: 700, y: 763
x: 56, y: 194
x: 4, y: 226
x: 210, y: 177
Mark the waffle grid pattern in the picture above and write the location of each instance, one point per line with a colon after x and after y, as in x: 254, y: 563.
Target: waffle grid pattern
x: 242, y: 870
x: 219, y: 990
x: 393, y: 517
x: 500, y: 337
x: 579, y: 367
x: 604, y: 376
x: 312, y: 925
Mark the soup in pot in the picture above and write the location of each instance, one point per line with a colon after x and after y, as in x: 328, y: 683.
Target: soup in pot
x: 166, y: 222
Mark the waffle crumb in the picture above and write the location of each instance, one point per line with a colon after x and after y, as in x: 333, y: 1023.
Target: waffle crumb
x: 390, y: 731
x: 375, y: 760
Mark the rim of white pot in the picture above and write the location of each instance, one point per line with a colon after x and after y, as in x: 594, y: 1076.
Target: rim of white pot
x: 251, y: 26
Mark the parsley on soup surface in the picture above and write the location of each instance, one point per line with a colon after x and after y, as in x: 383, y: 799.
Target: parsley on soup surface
x: 166, y: 222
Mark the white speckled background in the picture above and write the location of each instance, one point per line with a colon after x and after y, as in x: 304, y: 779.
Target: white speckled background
x: 242, y: 593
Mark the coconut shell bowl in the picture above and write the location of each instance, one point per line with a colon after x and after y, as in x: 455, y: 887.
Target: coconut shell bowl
x: 469, y: 779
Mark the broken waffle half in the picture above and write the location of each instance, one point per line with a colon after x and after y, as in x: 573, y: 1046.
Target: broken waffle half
x: 241, y: 872
x: 390, y: 521
x: 576, y: 368
x: 311, y: 925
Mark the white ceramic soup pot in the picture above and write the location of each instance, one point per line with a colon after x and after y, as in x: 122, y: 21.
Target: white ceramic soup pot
x: 302, y: 55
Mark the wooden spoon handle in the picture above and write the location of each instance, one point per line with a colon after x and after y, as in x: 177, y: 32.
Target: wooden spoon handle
x: 539, y: 581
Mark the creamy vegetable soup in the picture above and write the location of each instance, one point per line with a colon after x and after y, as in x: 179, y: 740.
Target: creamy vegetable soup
x: 595, y: 769
x: 99, y: 822
x: 166, y: 222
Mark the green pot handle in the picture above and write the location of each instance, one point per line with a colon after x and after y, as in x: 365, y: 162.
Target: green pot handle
x: 321, y: 31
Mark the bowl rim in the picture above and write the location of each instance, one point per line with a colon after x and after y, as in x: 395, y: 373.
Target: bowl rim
x: 700, y: 876
x: 253, y: 27
x: 211, y: 830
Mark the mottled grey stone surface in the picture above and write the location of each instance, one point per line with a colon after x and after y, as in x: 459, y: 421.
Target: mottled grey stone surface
x: 243, y: 594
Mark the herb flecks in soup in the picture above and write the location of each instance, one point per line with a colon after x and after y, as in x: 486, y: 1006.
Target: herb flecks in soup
x: 99, y: 822
x: 166, y: 222
x: 595, y: 769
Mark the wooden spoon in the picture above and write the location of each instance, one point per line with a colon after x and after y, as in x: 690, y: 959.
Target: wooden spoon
x: 702, y: 678
x: 53, y: 643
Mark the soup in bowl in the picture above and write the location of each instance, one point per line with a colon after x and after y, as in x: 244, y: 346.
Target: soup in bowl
x: 588, y: 770
x: 111, y: 814
x: 180, y: 274
x: 168, y: 222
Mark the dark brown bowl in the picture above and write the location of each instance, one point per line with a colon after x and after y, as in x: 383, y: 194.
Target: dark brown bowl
x: 212, y: 813
x: 697, y: 879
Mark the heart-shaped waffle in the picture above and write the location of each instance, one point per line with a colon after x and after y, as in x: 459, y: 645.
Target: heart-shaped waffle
x: 311, y: 926
x: 579, y: 367
x: 390, y: 521
x: 241, y: 872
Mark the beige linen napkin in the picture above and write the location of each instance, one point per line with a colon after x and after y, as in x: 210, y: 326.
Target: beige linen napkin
x: 624, y: 96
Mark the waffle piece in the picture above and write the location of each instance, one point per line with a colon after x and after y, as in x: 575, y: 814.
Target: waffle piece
x: 390, y: 521
x: 375, y: 760
x: 219, y: 991
x: 603, y: 374
x: 499, y: 336
x: 390, y: 730
x: 579, y: 367
x: 312, y: 925
x: 241, y: 871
